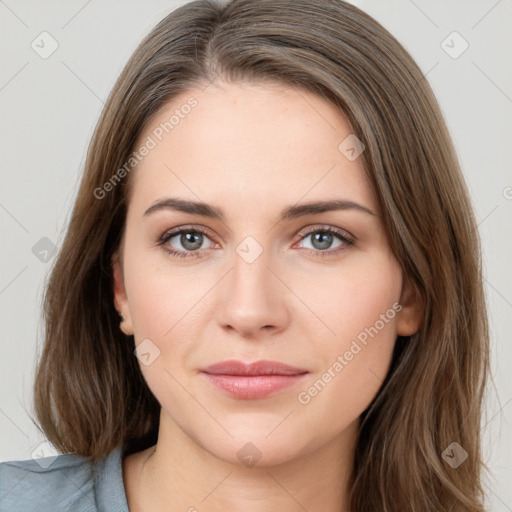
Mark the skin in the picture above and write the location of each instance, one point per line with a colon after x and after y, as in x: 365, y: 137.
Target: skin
x: 252, y: 150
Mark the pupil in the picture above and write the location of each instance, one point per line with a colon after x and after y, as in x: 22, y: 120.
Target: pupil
x: 187, y: 240
x: 324, y: 243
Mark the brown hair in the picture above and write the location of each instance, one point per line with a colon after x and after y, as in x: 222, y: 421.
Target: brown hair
x: 90, y: 395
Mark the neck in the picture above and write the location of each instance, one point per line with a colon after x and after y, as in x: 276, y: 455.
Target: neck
x: 177, y: 474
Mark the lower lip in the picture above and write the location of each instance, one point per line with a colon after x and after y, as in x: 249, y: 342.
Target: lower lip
x: 255, y: 386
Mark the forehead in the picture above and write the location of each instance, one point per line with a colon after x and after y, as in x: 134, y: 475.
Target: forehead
x: 248, y: 143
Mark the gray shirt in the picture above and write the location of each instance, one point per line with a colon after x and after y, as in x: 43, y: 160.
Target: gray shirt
x: 67, y: 483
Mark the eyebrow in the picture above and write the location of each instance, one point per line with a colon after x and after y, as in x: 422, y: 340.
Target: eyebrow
x: 291, y: 212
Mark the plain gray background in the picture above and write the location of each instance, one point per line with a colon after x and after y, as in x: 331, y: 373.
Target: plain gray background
x: 49, y: 107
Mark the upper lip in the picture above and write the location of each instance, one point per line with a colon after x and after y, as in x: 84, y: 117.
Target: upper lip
x: 233, y: 367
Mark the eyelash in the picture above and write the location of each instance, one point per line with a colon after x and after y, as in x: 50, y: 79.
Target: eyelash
x: 345, y: 238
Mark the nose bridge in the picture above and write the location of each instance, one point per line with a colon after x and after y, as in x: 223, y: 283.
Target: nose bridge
x: 252, y: 298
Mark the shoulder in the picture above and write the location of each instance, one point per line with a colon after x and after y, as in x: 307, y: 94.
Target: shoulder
x: 70, y: 483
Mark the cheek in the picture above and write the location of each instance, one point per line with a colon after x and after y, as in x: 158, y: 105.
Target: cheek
x: 352, y: 299
x: 361, y: 309
x: 337, y: 395
x: 163, y: 299
x: 170, y: 308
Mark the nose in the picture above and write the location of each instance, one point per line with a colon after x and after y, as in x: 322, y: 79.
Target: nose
x: 252, y: 299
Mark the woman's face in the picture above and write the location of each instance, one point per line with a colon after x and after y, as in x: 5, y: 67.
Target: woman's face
x: 251, y: 283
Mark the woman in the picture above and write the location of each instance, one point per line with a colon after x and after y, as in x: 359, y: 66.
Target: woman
x: 270, y: 292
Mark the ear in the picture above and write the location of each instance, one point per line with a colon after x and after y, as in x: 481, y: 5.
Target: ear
x: 410, y: 317
x: 120, y: 297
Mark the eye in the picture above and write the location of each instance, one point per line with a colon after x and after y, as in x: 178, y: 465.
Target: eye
x: 193, y: 240
x: 322, y: 239
x: 190, y: 240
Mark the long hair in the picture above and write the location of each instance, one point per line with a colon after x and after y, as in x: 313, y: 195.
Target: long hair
x: 90, y: 395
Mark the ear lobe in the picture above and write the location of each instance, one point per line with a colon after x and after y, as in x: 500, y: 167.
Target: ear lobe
x: 120, y: 298
x: 410, y: 317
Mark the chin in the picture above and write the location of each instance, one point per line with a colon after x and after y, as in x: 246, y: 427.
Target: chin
x: 256, y: 448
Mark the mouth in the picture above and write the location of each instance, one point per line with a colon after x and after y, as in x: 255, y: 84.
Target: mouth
x: 252, y: 381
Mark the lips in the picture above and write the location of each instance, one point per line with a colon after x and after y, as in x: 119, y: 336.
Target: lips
x: 252, y: 381
x: 233, y: 367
